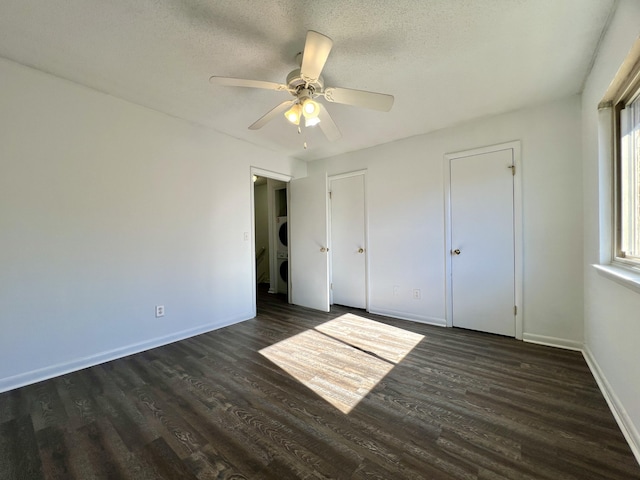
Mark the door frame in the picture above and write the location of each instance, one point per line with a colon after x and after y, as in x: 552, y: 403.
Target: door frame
x: 261, y: 172
x: 515, y: 146
x: 366, y: 233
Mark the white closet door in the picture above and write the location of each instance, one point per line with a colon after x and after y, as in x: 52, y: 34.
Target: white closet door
x: 348, y: 253
x: 482, y: 242
x: 308, y: 247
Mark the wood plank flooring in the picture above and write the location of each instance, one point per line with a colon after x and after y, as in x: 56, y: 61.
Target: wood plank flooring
x: 453, y: 404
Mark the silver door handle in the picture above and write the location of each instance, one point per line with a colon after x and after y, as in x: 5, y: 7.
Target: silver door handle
x: 456, y: 251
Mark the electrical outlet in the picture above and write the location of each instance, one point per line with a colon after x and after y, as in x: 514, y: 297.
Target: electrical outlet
x: 416, y: 294
x: 159, y: 311
x: 396, y: 290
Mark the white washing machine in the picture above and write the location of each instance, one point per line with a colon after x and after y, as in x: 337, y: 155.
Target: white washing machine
x: 283, y: 272
x: 282, y: 254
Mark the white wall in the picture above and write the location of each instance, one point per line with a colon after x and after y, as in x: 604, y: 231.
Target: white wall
x: 106, y: 210
x: 405, y: 190
x: 612, y: 311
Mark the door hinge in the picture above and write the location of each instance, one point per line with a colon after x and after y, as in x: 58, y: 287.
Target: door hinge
x: 331, y: 286
x: 330, y: 194
x: 515, y: 310
x: 513, y: 169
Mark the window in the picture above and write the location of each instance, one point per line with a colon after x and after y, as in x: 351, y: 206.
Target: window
x: 622, y: 99
x: 619, y: 148
x: 627, y: 186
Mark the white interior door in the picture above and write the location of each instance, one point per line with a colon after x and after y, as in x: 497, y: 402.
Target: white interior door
x: 482, y: 242
x: 308, y: 245
x: 348, y: 253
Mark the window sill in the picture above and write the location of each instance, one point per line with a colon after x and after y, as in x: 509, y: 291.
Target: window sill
x: 624, y: 276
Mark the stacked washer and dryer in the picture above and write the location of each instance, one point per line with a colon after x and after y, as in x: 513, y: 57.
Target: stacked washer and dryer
x: 282, y: 254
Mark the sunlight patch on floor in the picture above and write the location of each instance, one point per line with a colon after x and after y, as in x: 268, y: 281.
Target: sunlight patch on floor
x: 330, y: 360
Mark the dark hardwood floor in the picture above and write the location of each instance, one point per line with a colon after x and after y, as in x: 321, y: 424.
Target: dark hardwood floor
x: 300, y: 394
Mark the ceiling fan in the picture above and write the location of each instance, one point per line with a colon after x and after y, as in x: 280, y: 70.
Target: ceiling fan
x: 306, y: 85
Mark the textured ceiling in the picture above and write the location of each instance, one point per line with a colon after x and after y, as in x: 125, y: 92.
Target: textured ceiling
x: 445, y: 61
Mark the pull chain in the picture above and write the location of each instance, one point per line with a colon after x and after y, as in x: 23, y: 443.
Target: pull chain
x: 304, y: 144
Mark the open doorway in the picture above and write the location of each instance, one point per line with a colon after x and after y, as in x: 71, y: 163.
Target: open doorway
x: 270, y: 206
x: 261, y: 228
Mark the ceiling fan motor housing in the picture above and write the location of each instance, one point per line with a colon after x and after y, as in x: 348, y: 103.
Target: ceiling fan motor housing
x: 296, y: 84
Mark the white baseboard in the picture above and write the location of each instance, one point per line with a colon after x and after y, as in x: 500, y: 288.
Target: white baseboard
x: 52, y: 371
x: 629, y: 430
x: 552, y: 341
x: 440, y: 322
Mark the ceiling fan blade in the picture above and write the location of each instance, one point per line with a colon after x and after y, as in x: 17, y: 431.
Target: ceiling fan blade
x: 316, y: 51
x: 360, y: 98
x: 241, y: 82
x: 271, y: 114
x: 327, y: 125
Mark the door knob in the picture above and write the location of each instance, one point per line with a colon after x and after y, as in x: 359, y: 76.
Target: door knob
x: 361, y: 250
x: 456, y: 251
x: 324, y: 249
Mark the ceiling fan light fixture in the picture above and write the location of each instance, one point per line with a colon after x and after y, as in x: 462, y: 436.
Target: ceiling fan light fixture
x: 311, y: 121
x: 294, y: 114
x: 310, y: 108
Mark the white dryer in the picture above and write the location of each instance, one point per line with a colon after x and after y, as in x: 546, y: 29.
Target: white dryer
x: 282, y: 234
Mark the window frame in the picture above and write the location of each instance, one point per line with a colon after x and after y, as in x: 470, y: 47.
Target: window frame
x: 627, y: 91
